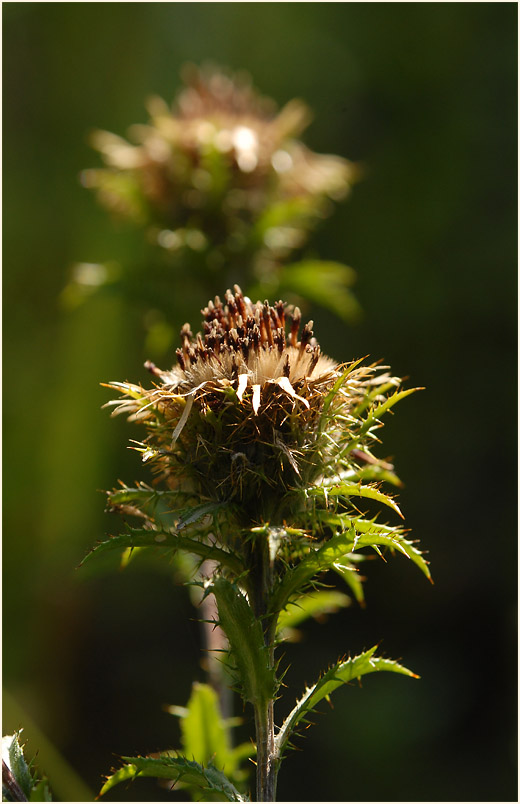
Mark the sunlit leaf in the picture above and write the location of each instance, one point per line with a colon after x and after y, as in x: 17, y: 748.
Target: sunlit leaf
x: 378, y: 412
x: 296, y: 578
x: 245, y: 634
x: 370, y: 533
x: 345, y: 569
x: 353, y: 490
x: 208, y: 780
x: 341, y: 673
x: 19, y: 782
x: 368, y: 473
x: 140, y: 495
x: 328, y: 399
x: 163, y: 538
x: 313, y: 604
x: 204, y: 735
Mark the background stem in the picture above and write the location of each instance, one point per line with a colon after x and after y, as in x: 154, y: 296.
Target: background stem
x: 214, y: 642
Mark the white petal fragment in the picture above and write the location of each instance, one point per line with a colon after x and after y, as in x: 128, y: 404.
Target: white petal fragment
x: 256, y: 398
x: 286, y: 386
x: 182, y: 420
x: 242, y: 385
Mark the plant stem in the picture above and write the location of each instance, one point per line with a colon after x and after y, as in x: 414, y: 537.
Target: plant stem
x: 267, y: 760
x: 267, y: 764
x: 10, y: 783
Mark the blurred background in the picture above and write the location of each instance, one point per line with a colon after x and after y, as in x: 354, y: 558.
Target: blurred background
x: 424, y: 96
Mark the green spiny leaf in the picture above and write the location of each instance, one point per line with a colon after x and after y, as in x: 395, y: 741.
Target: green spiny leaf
x: 246, y: 638
x: 141, y: 495
x: 296, y: 578
x: 14, y: 758
x: 189, y: 516
x: 369, y: 533
x: 386, y: 382
x: 378, y: 412
x: 341, y: 673
x: 336, y: 387
x: 353, y: 490
x: 345, y: 569
x: 163, y: 538
x: 178, y: 769
x: 395, y: 541
x: 371, y: 472
x: 312, y: 604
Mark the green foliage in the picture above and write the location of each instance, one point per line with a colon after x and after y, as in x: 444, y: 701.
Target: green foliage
x: 296, y: 578
x: 341, y: 673
x: 256, y: 675
x: 159, y: 538
x: 19, y: 781
x: 347, y: 569
x: 206, y: 736
x: 372, y: 420
x: 14, y: 753
x: 208, y: 767
x: 372, y: 534
x: 346, y: 490
x: 313, y: 604
x: 209, y: 782
x: 322, y: 282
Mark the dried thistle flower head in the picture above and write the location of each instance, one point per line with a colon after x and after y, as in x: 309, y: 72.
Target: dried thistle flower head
x: 261, y: 450
x: 247, y: 345
x: 253, y: 411
x: 215, y: 162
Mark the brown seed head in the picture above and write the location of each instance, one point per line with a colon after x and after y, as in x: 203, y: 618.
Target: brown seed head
x: 242, y: 338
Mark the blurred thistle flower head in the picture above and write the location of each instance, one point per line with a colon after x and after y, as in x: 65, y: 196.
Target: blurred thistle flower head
x: 253, y: 411
x: 221, y: 150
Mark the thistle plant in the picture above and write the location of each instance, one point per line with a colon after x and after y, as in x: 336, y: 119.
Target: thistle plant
x: 222, y: 185
x: 260, y: 451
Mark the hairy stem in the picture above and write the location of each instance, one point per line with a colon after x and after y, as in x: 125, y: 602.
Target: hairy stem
x: 267, y: 765
x: 267, y: 758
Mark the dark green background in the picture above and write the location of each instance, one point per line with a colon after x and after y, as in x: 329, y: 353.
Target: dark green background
x: 424, y: 95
